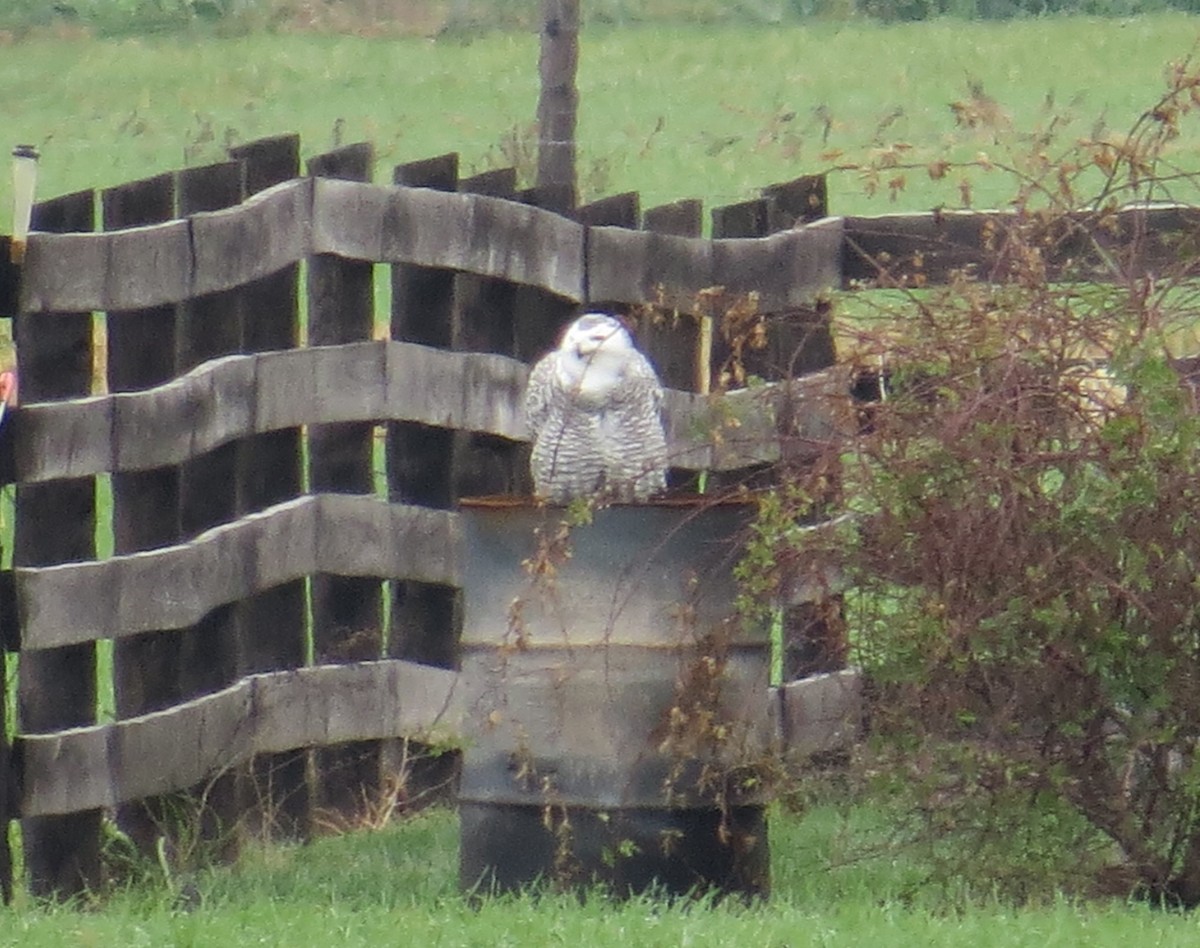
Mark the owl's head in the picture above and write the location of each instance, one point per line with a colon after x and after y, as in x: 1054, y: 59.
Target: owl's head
x: 593, y: 354
x: 592, y: 333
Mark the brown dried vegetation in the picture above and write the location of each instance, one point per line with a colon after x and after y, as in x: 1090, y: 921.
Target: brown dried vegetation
x: 1023, y: 551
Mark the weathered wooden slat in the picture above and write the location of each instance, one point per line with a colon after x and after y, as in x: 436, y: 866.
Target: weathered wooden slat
x: 207, y: 327
x: 671, y: 338
x: 616, y: 210
x: 56, y: 523
x: 740, y: 429
x: 145, y: 508
x: 784, y: 270
x: 424, y: 618
x: 368, y: 381
x: 67, y: 440
x: 423, y: 298
x: 820, y: 714
x: 632, y: 267
x: 744, y: 219
x: 185, y: 417
x: 475, y: 233
x: 347, y: 611
x: 485, y: 321
x: 268, y: 161
x: 223, y: 400
x: 497, y: 182
x: 799, y: 201
x: 927, y: 249
x: 167, y: 263
x: 10, y: 637
x: 131, y: 269
x: 175, y: 586
x: 798, y: 340
x: 269, y: 471
x: 147, y: 670
x: 321, y: 385
x: 103, y: 766
x: 898, y: 248
x: 140, y: 267
x: 10, y: 279
x: 261, y: 236
x: 481, y: 319
x: 210, y: 729
x: 333, y: 704
x: 465, y: 390
x: 680, y: 218
x: 1146, y: 240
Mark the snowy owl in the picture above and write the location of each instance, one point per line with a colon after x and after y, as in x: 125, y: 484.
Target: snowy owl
x: 594, y: 410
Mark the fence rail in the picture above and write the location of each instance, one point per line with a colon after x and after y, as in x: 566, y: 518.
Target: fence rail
x: 1103, y: 246
x: 178, y: 260
x: 237, y: 396
x: 106, y: 765
x: 174, y: 587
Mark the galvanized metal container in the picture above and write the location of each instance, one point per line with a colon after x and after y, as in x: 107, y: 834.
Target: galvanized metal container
x: 616, y: 707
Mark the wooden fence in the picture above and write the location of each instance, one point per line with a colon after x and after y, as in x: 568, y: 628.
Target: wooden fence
x: 283, y: 608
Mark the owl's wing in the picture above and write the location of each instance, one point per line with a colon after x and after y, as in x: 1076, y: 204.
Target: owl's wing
x: 642, y: 382
x: 637, y: 456
x: 538, y: 393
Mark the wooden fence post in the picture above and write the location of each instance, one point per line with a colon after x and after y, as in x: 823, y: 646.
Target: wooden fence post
x: 558, y: 102
x: 616, y: 210
x: 145, y: 512
x: 347, y: 611
x: 484, y: 320
x: 273, y: 634
x: 679, y: 218
x: 10, y: 275
x: 477, y: 299
x: 55, y: 522
x: 538, y: 315
x: 671, y: 339
x: 799, y: 341
x: 208, y: 327
x: 425, y: 618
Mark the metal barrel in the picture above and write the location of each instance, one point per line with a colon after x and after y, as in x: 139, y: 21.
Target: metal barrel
x: 615, y: 707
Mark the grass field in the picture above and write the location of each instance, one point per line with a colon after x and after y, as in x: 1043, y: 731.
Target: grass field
x: 711, y: 112
x: 399, y: 885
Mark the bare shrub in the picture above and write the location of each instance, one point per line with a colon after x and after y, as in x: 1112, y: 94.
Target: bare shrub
x: 1022, y: 559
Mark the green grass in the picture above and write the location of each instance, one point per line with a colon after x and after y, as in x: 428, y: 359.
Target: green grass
x: 673, y: 113
x: 398, y: 886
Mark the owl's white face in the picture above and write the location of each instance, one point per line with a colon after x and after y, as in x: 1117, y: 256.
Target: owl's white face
x: 593, y: 353
x: 593, y: 332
